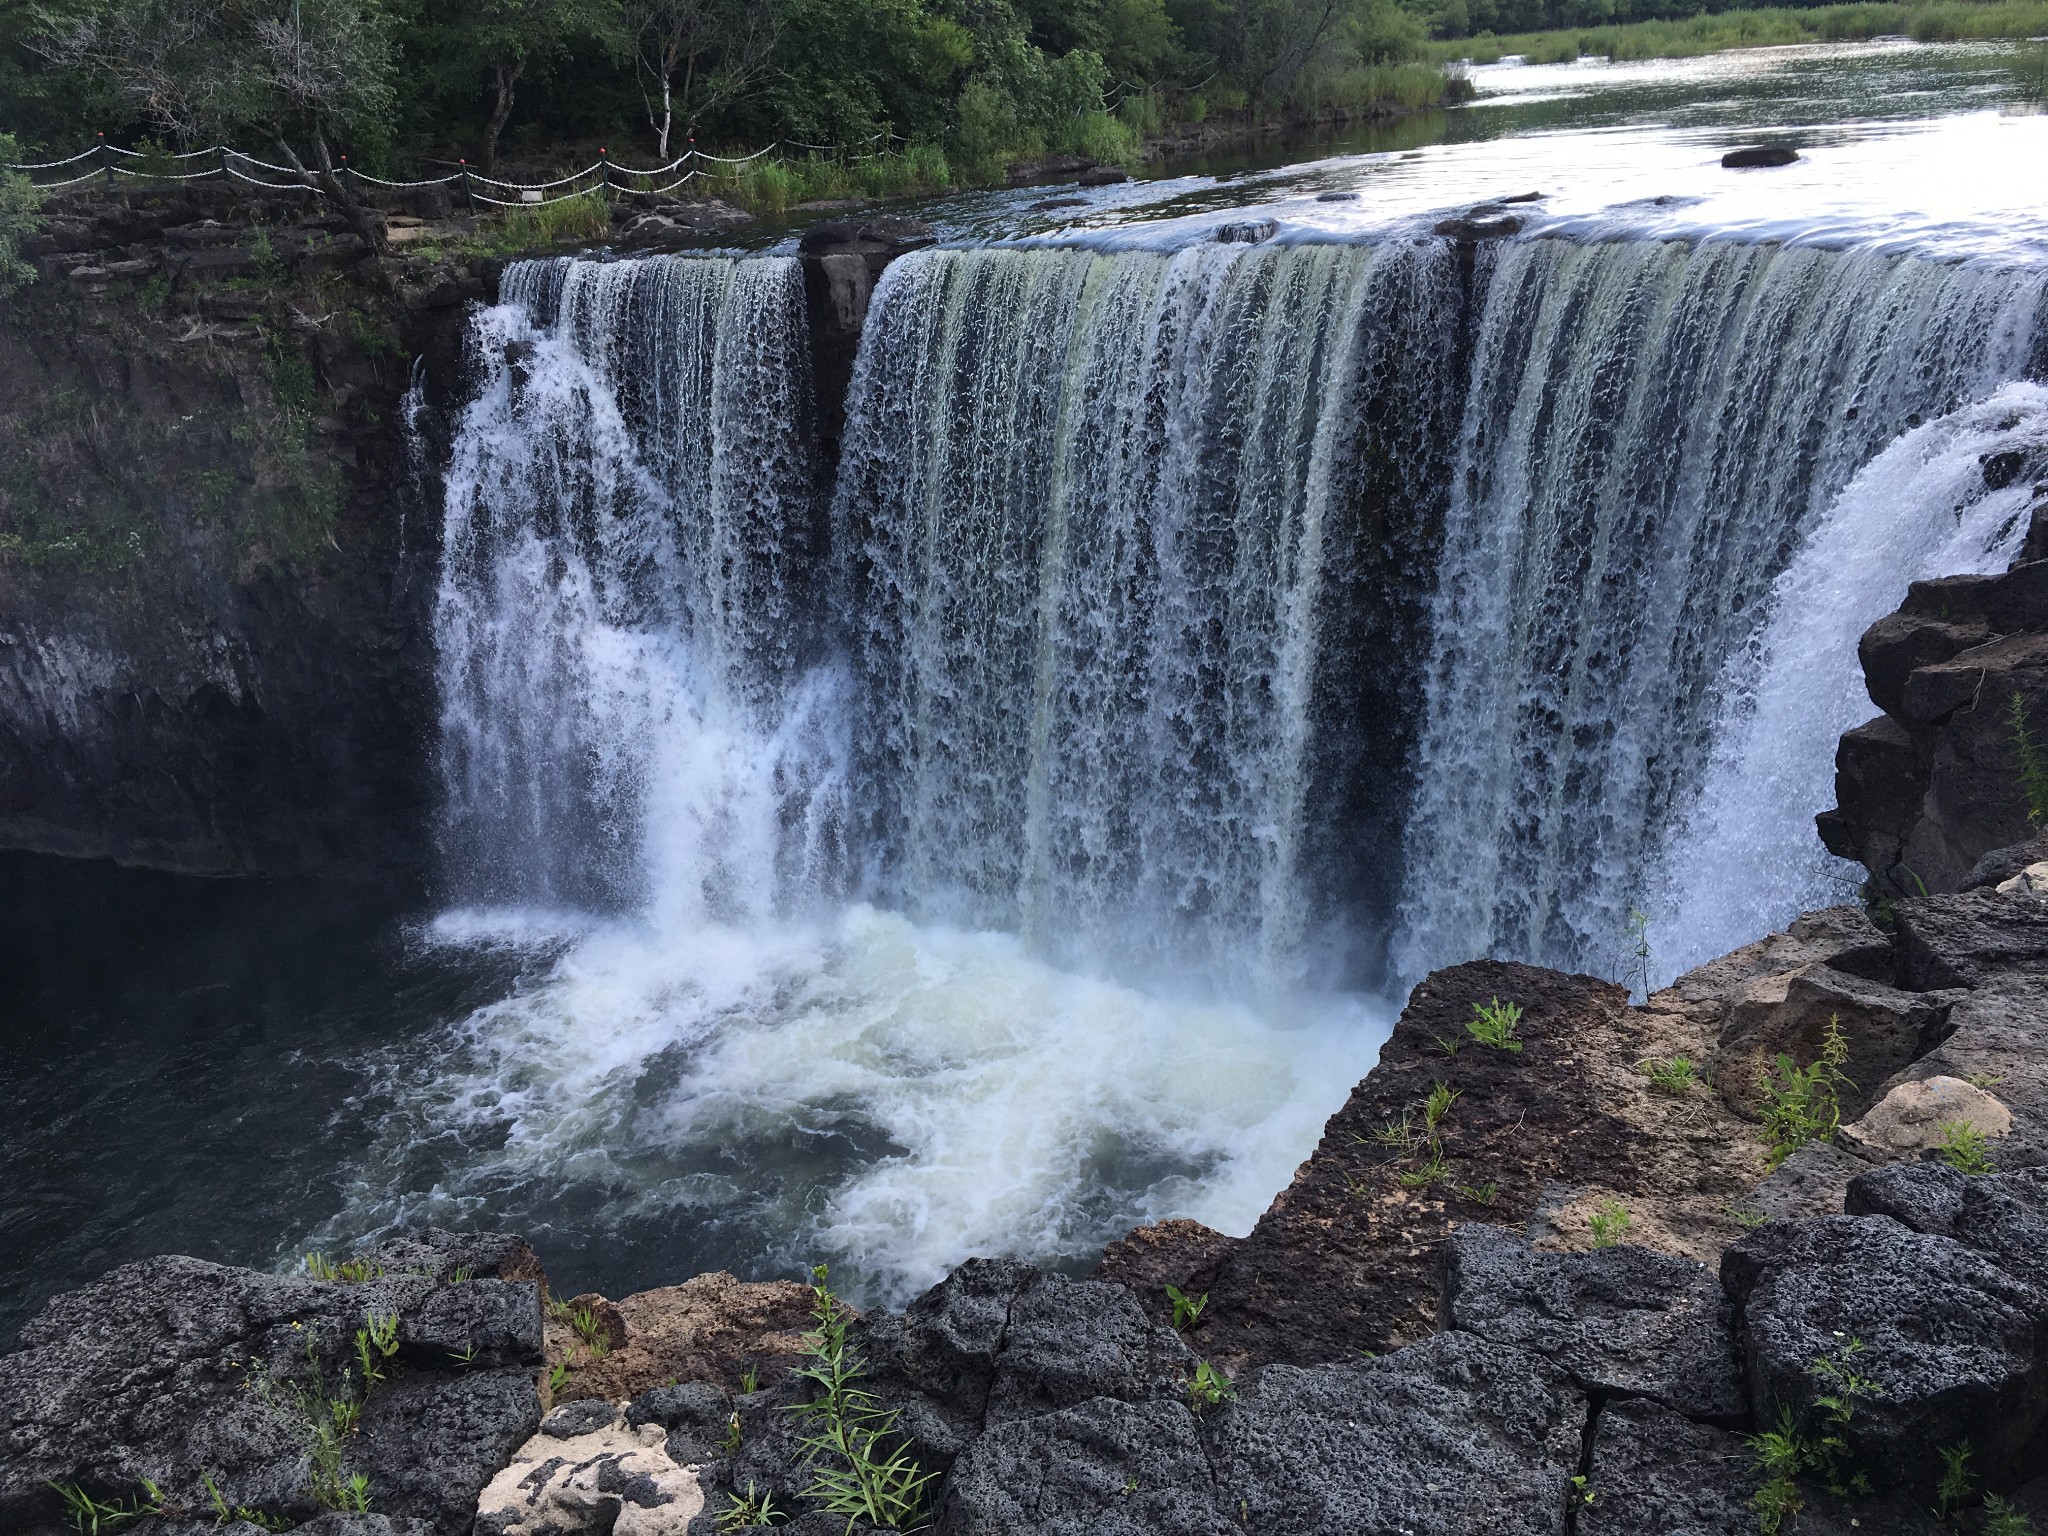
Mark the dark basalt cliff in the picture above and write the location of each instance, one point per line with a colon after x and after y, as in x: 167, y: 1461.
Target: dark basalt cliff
x: 223, y: 424
x: 1937, y: 779
x: 216, y: 556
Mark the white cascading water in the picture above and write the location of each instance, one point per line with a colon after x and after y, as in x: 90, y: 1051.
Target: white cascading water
x: 1653, y: 429
x: 1743, y: 855
x: 1105, y: 511
x: 977, y: 886
x: 720, y: 1056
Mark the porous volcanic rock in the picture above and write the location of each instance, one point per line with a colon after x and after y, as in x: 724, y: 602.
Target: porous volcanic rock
x: 712, y: 1327
x: 179, y: 1371
x: 1952, y: 1345
x: 1620, y: 1321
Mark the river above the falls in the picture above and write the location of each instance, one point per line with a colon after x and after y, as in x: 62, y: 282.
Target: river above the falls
x: 1053, y: 866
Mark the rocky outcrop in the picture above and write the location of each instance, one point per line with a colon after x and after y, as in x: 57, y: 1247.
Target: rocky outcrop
x: 215, y: 555
x: 1935, y: 782
x: 222, y: 1386
x: 842, y: 262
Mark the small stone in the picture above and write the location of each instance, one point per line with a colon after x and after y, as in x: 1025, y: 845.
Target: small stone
x: 1916, y: 1116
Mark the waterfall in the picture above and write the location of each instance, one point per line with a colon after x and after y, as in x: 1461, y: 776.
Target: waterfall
x: 633, y: 706
x: 1653, y: 430
x: 1134, y: 544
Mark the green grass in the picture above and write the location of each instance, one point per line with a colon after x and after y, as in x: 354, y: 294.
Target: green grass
x: 1763, y: 27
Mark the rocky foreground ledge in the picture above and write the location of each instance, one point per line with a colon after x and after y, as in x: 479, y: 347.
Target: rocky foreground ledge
x: 1588, y: 1274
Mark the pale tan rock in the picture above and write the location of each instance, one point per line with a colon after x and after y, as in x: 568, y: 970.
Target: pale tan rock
x: 710, y: 1328
x: 2031, y: 881
x: 615, y: 1479
x: 1913, y: 1116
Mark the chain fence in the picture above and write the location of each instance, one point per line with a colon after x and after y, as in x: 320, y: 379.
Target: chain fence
x: 111, y: 166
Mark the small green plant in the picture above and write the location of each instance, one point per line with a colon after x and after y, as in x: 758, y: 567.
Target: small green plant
x: 376, y: 1343
x: 1781, y: 1455
x: 1803, y: 1104
x: 1480, y: 1194
x: 1610, y: 1224
x: 1581, y: 1490
x: 89, y: 1516
x: 1450, y: 1045
x: 355, y: 1494
x: 462, y: 1276
x: 1676, y: 1076
x: 1965, y: 1148
x: 465, y: 1356
x: 348, y: 1272
x: 1956, y: 1478
x: 749, y: 1513
x: 1495, y: 1023
x: 2001, y: 1519
x: 2033, y: 769
x: 1437, y: 1107
x: 860, y: 1466
x: 1187, y: 1310
x: 730, y: 1442
x: 1432, y: 1170
x: 1208, y: 1387
x: 558, y: 1310
x: 558, y: 1378
x: 750, y: 1383
x: 589, y: 1328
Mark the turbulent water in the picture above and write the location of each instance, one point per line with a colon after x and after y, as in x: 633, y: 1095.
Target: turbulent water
x: 1008, y: 841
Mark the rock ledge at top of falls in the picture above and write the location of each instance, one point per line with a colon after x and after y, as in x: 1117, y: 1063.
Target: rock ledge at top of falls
x: 1419, y: 1334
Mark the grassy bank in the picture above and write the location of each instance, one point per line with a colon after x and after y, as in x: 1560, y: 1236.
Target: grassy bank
x: 1955, y: 21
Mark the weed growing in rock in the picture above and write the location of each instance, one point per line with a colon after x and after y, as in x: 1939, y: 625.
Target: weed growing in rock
x: 750, y: 1383
x: 558, y: 1378
x: 1610, y: 1224
x: 1803, y: 1104
x: 1581, y: 1492
x: 1434, y: 1170
x: 2033, y: 769
x: 1187, y: 1310
x: 348, y: 1272
x: 2001, y: 1519
x: 462, y: 1276
x: 1480, y: 1194
x: 376, y: 1343
x: 1208, y: 1387
x: 1450, y: 1045
x: 1675, y: 1077
x: 588, y: 1327
x: 1956, y: 1478
x: 1395, y: 1135
x: 745, y: 1514
x: 89, y: 1516
x: 1788, y: 1452
x: 224, y: 1514
x: 729, y: 1443
x: 1437, y: 1106
x: 854, y: 1470
x: 1494, y: 1023
x: 1965, y: 1148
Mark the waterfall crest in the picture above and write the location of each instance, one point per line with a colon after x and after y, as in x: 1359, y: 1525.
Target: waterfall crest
x: 1652, y: 431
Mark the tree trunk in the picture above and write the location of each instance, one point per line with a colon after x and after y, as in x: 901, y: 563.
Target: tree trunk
x: 505, y: 75
x: 668, y: 116
x: 368, y: 229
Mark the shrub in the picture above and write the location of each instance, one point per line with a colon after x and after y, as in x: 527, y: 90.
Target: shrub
x: 1494, y: 1023
x: 19, y: 201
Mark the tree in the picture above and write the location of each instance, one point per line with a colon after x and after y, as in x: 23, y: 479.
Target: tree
x: 18, y: 203
x: 298, y: 72
x: 701, y: 55
x: 509, y: 36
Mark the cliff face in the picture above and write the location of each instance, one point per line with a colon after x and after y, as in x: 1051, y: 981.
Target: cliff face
x: 1939, y: 779
x: 215, y: 562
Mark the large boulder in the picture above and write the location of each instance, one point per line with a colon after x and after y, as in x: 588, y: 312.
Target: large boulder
x: 1997, y: 1050
x: 195, y: 1375
x: 1621, y: 1321
x: 1928, y: 1341
x: 1971, y: 938
x: 603, y: 1479
x: 1458, y: 1436
x: 1098, y: 1468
